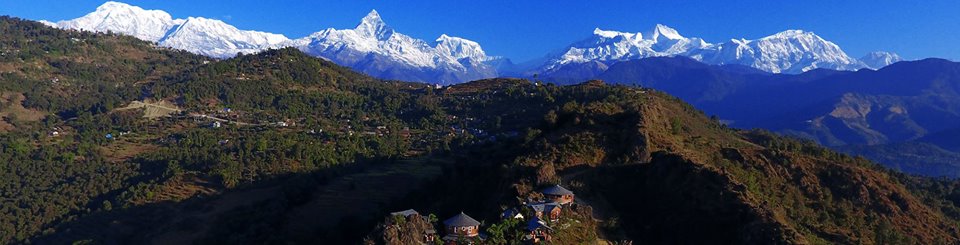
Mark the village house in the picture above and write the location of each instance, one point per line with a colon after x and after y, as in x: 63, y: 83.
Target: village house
x: 551, y: 210
x: 538, y: 231
x: 512, y: 213
x: 461, y: 227
x: 56, y: 131
x: 558, y: 194
x: 428, y: 235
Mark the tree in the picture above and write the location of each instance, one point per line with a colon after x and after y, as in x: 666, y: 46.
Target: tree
x: 507, y: 231
x: 551, y: 118
x: 106, y: 205
x: 676, y: 127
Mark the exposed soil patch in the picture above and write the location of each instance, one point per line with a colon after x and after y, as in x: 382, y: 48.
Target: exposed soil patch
x: 6, y: 67
x: 153, y: 109
x: 12, y: 110
x: 126, y: 151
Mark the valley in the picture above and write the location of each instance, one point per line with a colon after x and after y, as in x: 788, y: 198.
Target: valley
x: 111, y: 139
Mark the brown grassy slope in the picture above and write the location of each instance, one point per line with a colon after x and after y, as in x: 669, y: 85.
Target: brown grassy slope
x: 821, y: 195
x: 12, y: 110
x: 756, y: 187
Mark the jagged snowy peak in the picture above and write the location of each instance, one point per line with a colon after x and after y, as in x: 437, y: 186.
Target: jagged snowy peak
x: 373, y: 26
x: 604, y: 46
x: 218, y: 39
x: 197, y: 35
x: 372, y: 35
x: 663, y: 32
x: 126, y: 19
x: 610, y: 46
x: 602, y: 36
x: 377, y: 49
x: 668, y: 41
x: 460, y: 48
x: 792, y: 51
x: 879, y: 59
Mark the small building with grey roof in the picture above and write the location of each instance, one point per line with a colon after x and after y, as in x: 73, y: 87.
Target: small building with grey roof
x: 461, y: 226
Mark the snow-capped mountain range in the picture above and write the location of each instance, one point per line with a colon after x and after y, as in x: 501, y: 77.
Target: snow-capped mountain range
x: 203, y: 36
x: 377, y: 49
x: 372, y: 47
x: 791, y: 51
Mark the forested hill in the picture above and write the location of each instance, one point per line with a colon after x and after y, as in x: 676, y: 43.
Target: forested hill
x: 279, y: 147
x: 71, y: 147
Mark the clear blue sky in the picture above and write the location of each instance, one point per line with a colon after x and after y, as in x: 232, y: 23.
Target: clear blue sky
x: 523, y: 30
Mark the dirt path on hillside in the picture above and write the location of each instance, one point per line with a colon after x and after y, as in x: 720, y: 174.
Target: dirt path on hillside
x: 224, y: 120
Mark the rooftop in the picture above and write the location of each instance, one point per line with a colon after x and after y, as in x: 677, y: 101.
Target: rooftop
x: 461, y: 220
x: 535, y: 223
x: 556, y: 190
x: 405, y: 213
x: 540, y: 207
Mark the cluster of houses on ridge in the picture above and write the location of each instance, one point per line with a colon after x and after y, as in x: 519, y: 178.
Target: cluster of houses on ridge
x: 462, y: 228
